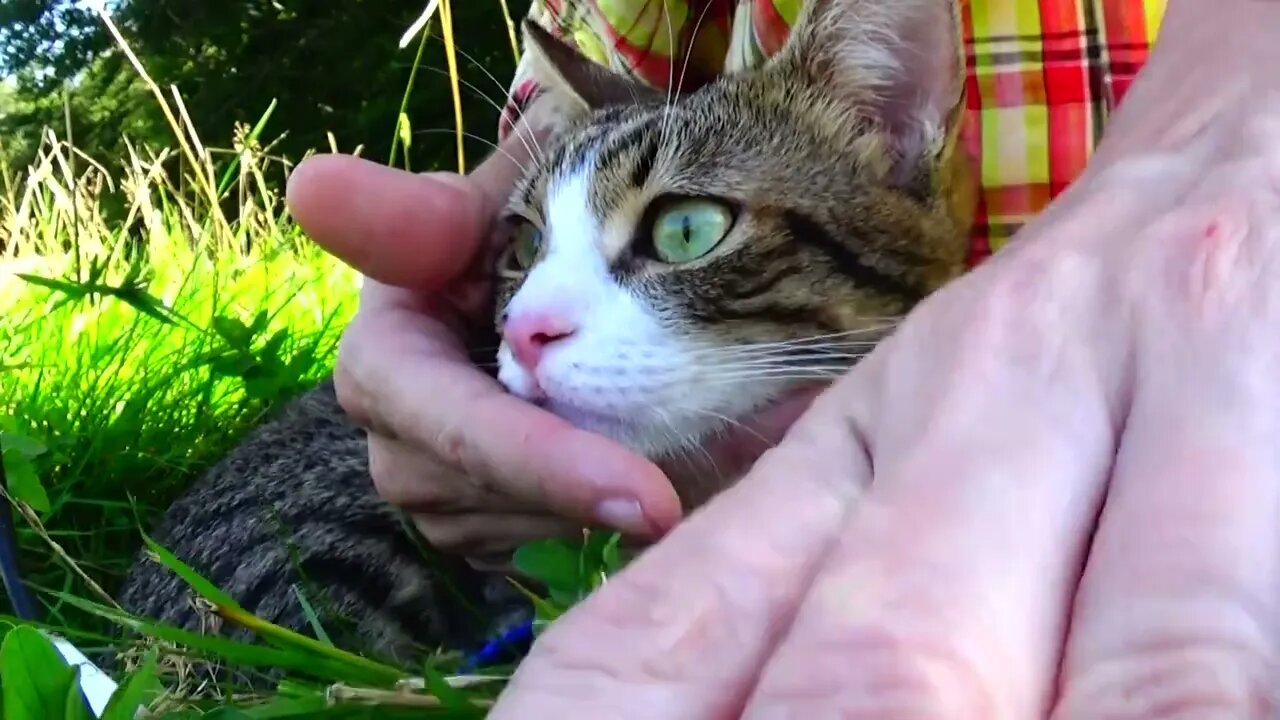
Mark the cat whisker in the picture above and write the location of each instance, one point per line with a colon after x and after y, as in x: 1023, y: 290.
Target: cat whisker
x: 847, y: 359
x: 478, y: 138
x: 505, y: 91
x: 866, y: 330
x: 684, y: 445
x: 478, y: 93
x: 792, y: 351
x: 725, y: 419
x: 671, y: 72
x: 693, y: 38
x: 817, y: 373
x: 784, y: 350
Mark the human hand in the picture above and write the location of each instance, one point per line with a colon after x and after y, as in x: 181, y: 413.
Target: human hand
x: 481, y: 470
x: 1053, y: 492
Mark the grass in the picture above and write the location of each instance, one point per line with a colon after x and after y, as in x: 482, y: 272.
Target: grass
x: 137, y: 346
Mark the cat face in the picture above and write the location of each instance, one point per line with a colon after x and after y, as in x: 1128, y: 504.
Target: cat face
x: 674, y: 267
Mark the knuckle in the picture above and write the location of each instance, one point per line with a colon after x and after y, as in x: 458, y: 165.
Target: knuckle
x: 452, y: 445
x: 898, y: 677
x: 1166, y: 683
x: 458, y: 444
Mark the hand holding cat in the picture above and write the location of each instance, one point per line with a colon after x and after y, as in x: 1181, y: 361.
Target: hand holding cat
x: 1053, y: 491
x: 482, y: 470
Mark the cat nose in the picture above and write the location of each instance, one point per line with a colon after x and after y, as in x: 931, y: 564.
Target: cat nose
x: 529, y: 334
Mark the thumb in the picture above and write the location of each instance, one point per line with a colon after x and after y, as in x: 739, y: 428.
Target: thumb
x: 398, y: 228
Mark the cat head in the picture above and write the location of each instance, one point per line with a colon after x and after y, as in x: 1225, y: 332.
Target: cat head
x: 677, y: 264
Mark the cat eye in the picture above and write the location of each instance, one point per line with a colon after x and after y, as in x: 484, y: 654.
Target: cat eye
x: 689, y: 229
x: 525, y: 246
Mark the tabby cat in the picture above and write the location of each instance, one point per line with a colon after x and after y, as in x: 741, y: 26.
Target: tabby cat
x: 674, y: 265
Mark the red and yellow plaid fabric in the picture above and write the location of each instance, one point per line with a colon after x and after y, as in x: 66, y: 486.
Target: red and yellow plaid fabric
x: 1043, y: 75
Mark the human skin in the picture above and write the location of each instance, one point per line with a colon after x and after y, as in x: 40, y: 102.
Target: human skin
x: 1054, y: 492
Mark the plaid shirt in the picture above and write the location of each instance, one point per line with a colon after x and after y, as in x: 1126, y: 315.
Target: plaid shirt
x: 1043, y: 75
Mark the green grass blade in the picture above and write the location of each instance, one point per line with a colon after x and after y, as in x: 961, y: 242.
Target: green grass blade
x: 138, y: 691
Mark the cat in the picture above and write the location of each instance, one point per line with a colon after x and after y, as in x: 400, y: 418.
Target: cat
x: 673, y: 265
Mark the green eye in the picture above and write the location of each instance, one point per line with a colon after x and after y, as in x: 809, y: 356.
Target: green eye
x: 690, y: 229
x: 525, y: 246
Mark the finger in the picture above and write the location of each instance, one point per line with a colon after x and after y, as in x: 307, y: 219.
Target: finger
x: 698, y: 612
x: 419, y: 231
x: 468, y: 422
x: 1177, y: 612
x: 945, y: 595
x: 491, y: 534
x: 415, y: 481
x: 395, y: 227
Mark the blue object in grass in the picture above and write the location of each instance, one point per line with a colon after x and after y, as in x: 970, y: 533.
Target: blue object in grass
x: 512, y: 645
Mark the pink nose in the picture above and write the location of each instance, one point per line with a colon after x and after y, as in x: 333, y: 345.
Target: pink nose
x: 529, y: 334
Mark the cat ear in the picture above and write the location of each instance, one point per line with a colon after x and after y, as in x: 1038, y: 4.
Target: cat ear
x: 588, y: 82
x: 899, y: 63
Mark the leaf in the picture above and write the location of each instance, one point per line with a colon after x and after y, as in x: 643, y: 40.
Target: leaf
x: 24, y: 482
x: 261, y: 388
x: 611, y: 555
x: 271, y: 349
x: 72, y: 290
x: 232, y: 365
x: 75, y: 706
x: 33, y: 677
x: 233, y: 331
x: 24, y: 445
x: 139, y: 690
x: 554, y: 562
x: 145, y: 303
x: 545, y: 613
x: 259, y: 323
x: 448, y: 695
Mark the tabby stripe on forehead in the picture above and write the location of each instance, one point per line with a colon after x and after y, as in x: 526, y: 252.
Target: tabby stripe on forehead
x: 574, y: 156
x: 847, y: 261
x: 638, y: 139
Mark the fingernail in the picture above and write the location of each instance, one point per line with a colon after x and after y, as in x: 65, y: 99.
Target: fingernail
x: 625, y: 515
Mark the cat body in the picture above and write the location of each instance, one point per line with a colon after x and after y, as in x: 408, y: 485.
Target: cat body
x: 292, y: 511
x: 674, y: 265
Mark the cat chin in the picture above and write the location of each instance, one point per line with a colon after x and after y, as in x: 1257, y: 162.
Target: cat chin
x: 641, y: 438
